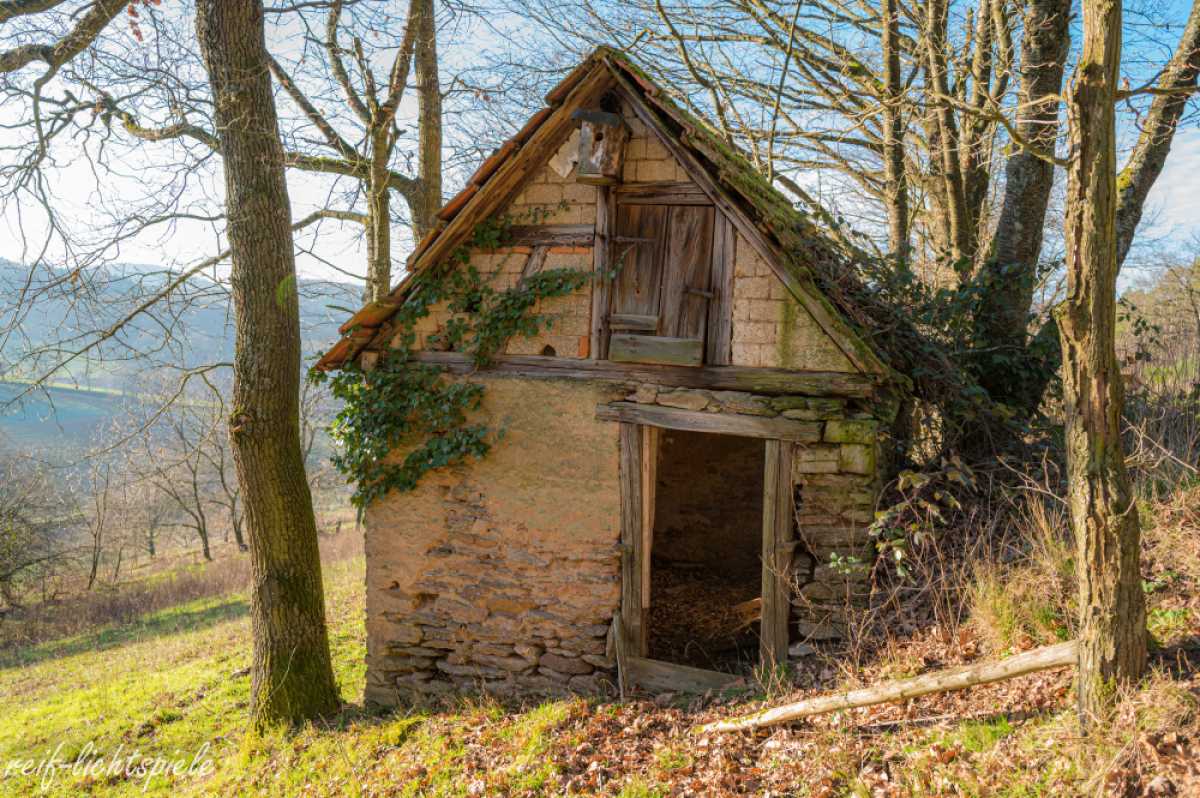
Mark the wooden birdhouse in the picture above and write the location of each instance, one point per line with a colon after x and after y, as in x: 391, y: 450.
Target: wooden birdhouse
x: 602, y: 138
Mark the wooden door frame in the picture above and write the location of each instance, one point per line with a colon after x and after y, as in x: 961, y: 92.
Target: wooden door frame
x: 778, y: 544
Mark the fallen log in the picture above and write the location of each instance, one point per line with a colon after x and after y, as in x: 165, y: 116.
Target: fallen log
x: 1039, y: 659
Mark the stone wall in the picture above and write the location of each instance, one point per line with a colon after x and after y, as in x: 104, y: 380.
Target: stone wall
x: 502, y: 574
x: 772, y: 329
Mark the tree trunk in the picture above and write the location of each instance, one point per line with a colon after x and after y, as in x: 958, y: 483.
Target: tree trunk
x: 895, y: 180
x: 1158, y: 129
x: 379, y: 219
x: 954, y: 201
x: 1112, y: 641
x: 202, y: 531
x: 292, y: 678
x: 1010, y: 271
x: 429, y: 96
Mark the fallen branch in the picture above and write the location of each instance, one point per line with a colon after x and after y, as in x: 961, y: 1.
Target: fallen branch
x: 1039, y: 659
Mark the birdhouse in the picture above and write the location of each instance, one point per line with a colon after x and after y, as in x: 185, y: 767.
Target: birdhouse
x: 602, y: 138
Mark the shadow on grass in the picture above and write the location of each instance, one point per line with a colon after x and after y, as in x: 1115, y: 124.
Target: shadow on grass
x: 156, y: 624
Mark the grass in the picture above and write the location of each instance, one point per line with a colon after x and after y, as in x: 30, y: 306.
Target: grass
x: 173, y: 684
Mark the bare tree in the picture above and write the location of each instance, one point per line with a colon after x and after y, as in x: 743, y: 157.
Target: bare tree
x: 1104, y: 516
x: 292, y: 677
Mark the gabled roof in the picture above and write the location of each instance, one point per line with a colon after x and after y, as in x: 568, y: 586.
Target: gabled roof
x: 799, y: 252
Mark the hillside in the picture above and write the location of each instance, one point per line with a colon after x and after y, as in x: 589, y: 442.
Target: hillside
x: 174, y: 684
x: 86, y: 397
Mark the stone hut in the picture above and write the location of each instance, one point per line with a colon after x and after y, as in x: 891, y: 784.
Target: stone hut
x: 692, y: 452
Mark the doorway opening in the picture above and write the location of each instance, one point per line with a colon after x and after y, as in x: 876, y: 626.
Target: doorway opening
x: 705, y: 583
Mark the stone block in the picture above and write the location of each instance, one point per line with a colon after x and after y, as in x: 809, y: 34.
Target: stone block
x: 852, y: 431
x: 808, y: 408
x: 645, y: 394
x: 684, y: 399
x: 743, y: 403
x: 564, y: 664
x: 815, y: 460
x: 857, y: 458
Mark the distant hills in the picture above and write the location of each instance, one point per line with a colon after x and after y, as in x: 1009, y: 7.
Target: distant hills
x: 193, y: 329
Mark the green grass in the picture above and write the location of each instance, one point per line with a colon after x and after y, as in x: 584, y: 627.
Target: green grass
x: 175, y: 683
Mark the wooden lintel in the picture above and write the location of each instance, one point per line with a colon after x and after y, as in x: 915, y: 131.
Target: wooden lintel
x: 777, y: 429
x: 769, y: 381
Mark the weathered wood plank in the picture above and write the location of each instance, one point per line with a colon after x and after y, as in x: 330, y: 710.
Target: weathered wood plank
x: 655, y: 676
x: 631, y: 321
x: 552, y: 235
x: 639, y: 279
x: 629, y: 348
x: 768, y: 381
x: 662, y: 193
x: 602, y: 254
x: 630, y: 469
x: 720, y: 423
x: 649, y: 483
x: 535, y: 262
x: 720, y: 323
x: 776, y: 554
x: 686, y: 273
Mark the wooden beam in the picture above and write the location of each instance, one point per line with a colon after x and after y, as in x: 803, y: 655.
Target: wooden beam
x: 662, y: 193
x: 776, y: 554
x: 632, y: 541
x: 662, y: 677
x: 1039, y: 659
x: 650, y: 437
x: 735, y: 378
x: 720, y: 309
x: 629, y: 348
x: 602, y: 278
x: 718, y: 423
x: 632, y: 321
x: 552, y: 235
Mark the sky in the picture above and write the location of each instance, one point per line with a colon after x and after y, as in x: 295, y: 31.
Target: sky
x: 1171, y: 218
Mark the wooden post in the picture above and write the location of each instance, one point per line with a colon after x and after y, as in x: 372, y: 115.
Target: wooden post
x: 776, y: 553
x: 632, y: 542
x: 602, y: 266
x: 649, y: 478
x: 720, y: 311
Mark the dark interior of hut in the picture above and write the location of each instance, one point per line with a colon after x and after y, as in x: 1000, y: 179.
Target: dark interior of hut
x: 705, y: 574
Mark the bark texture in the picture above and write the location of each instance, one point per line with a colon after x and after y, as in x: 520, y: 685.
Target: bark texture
x: 1157, y: 130
x: 429, y: 115
x: 292, y: 679
x: 895, y: 181
x: 1112, y: 641
x: 1010, y: 271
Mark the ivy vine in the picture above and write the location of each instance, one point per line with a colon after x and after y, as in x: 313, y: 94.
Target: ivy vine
x: 403, y: 403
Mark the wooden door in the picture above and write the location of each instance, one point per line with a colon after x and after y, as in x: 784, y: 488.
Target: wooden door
x: 659, y: 309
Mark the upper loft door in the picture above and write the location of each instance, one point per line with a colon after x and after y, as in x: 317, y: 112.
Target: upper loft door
x: 662, y: 292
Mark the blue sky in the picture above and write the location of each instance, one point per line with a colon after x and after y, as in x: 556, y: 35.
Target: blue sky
x: 1170, y: 220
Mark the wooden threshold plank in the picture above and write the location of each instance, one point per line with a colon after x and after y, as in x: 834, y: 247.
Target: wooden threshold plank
x: 656, y: 676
